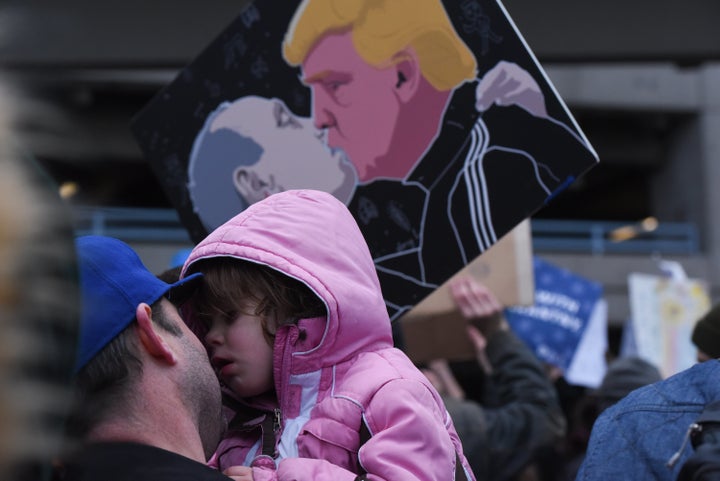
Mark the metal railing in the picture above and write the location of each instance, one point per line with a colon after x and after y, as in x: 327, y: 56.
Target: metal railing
x: 568, y: 236
x: 595, y: 237
x: 131, y: 224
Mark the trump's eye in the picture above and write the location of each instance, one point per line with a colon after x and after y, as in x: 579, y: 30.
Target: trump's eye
x: 336, y: 85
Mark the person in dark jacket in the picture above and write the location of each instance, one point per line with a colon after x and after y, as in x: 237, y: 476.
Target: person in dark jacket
x: 438, y: 138
x: 519, y: 412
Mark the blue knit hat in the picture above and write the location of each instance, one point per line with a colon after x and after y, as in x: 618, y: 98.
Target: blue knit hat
x: 113, y: 282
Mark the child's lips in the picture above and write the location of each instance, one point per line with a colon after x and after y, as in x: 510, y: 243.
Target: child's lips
x: 220, y: 365
x: 225, y: 370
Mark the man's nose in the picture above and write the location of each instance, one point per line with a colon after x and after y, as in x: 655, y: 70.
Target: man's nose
x: 323, y: 117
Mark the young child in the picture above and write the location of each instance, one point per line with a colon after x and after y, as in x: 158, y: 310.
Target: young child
x: 296, y: 327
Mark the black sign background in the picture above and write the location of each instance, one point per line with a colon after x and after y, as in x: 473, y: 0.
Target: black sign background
x: 245, y: 59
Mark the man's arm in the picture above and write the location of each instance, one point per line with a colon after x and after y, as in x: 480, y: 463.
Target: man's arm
x: 520, y: 410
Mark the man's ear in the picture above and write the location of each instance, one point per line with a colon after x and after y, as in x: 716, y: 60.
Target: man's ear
x: 238, y: 175
x: 408, y: 74
x: 151, y: 341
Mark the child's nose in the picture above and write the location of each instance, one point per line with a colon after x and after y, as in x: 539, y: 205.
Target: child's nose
x: 213, y: 337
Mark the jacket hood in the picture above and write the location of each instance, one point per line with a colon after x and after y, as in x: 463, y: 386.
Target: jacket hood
x: 311, y: 236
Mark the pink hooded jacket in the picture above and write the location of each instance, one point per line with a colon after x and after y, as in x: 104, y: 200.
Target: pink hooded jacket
x: 334, y: 374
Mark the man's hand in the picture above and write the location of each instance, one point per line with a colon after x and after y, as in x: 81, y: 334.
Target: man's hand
x: 479, y: 306
x: 508, y: 84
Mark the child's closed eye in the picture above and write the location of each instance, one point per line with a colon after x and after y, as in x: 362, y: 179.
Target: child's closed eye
x: 229, y: 316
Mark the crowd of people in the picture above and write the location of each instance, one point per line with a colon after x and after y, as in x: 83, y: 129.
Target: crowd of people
x: 269, y: 355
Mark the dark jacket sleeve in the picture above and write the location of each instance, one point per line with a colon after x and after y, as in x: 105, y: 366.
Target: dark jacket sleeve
x: 520, y: 412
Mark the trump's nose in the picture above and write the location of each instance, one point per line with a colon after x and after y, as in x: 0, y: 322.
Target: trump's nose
x: 323, y: 117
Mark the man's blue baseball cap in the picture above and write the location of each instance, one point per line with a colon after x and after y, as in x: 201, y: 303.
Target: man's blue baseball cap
x: 113, y: 282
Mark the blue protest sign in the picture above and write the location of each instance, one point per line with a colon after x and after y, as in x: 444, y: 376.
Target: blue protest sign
x: 555, y: 323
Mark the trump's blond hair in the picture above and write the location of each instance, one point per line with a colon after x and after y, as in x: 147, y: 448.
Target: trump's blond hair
x: 381, y: 30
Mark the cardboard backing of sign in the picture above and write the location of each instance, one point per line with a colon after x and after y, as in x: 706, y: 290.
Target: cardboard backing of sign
x: 435, y: 329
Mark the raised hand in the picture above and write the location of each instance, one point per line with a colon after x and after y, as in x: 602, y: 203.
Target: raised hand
x: 508, y: 84
x: 480, y: 307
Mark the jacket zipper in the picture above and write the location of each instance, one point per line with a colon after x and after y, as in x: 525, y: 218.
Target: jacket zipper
x: 277, y: 421
x: 693, y: 428
x: 281, y: 381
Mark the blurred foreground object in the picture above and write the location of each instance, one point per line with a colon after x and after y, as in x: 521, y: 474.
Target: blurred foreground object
x: 39, y: 304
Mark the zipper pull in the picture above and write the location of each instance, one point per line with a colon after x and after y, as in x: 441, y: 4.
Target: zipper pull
x: 694, y: 428
x: 277, y: 423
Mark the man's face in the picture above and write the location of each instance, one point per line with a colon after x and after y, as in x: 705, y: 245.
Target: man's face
x: 201, y: 389
x: 353, y: 100
x: 293, y: 153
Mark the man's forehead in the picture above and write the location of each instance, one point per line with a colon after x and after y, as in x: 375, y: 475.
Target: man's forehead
x: 323, y: 75
x: 333, y: 52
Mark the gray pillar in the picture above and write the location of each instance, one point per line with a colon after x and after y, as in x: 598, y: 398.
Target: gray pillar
x: 709, y: 122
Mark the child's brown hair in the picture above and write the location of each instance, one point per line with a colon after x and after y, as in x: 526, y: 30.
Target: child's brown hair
x: 230, y: 283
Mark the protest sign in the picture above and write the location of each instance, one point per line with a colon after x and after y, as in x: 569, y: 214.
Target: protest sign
x: 564, y: 305
x: 435, y: 328
x: 589, y: 365
x: 432, y: 120
x: 664, y: 311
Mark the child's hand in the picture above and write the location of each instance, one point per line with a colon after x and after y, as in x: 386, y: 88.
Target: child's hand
x: 239, y: 473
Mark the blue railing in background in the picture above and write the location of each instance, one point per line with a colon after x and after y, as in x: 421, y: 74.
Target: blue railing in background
x: 131, y: 224
x: 561, y: 236
x: 595, y: 237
